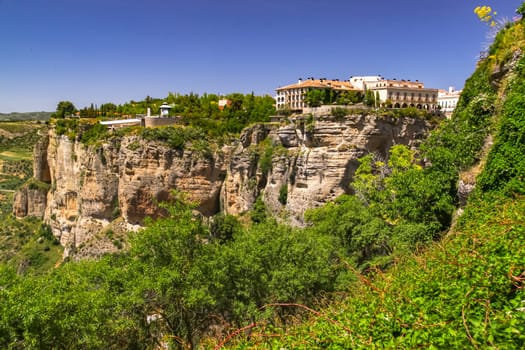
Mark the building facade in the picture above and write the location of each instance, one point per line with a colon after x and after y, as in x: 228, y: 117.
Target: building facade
x: 361, y: 82
x: 293, y: 96
x: 404, y: 93
x: 447, y: 100
x: 391, y: 92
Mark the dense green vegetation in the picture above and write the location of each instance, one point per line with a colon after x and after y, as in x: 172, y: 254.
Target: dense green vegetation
x: 466, y: 291
x: 318, y: 97
x: 170, y: 275
x: 26, y: 245
x: 377, y: 262
x: 202, y: 121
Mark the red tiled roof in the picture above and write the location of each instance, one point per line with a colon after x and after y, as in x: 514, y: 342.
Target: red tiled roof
x: 320, y: 84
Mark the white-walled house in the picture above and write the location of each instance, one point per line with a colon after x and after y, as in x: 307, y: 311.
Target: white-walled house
x: 448, y: 100
x: 293, y: 96
x: 393, y: 93
x: 404, y: 93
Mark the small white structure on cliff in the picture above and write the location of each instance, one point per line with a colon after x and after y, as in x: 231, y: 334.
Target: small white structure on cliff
x: 113, y: 124
x: 165, y: 110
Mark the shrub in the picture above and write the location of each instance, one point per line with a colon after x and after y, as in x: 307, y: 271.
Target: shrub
x: 93, y: 133
x: 339, y: 113
x: 283, y: 194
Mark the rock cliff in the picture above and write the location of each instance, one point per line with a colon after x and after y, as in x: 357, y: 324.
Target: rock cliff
x: 312, y: 162
x: 96, y: 191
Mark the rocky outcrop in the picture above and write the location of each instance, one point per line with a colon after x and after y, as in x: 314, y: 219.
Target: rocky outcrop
x: 123, y: 180
x: 40, y: 165
x: 30, y: 201
x: 312, y: 163
x: 117, y: 184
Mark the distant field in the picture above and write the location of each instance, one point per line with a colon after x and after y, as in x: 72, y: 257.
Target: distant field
x: 25, y: 116
x: 10, y: 128
x: 17, y: 140
x: 16, y: 155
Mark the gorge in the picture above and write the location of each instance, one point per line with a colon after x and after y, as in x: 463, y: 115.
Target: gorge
x: 113, y: 186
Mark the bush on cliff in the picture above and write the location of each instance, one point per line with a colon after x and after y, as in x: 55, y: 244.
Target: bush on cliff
x: 175, y: 282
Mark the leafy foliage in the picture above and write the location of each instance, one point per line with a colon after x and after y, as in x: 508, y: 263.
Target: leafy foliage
x: 175, y: 136
x: 168, y: 286
x: 466, y: 292
x: 505, y: 168
x: 64, y: 109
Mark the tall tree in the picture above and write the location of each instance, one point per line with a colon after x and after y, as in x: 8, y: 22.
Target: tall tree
x: 314, y: 98
x: 65, y: 108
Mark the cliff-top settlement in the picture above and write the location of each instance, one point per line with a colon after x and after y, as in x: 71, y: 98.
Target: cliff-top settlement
x: 390, y: 93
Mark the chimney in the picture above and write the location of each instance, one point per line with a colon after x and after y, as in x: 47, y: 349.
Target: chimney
x: 450, y: 89
x: 300, y: 81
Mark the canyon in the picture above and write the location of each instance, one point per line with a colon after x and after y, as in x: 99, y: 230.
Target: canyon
x: 94, y: 193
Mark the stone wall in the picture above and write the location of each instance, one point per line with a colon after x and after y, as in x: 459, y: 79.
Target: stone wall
x: 150, y: 122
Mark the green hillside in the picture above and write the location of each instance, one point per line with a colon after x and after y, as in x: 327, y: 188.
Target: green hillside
x: 26, y: 244
x: 467, y: 290
x: 25, y: 116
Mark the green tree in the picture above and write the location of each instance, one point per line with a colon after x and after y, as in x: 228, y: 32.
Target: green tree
x: 271, y: 263
x: 108, y: 109
x: 78, y: 306
x: 369, y: 98
x: 349, y: 97
x: 172, y: 283
x: 258, y: 214
x: 314, y: 97
x: 521, y: 10
x: 363, y: 234
x: 224, y: 227
x: 64, y: 109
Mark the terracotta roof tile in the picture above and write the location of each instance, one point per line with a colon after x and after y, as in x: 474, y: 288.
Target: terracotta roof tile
x: 320, y: 84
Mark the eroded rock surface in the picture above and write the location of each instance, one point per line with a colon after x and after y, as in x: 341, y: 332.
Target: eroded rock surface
x: 116, y: 185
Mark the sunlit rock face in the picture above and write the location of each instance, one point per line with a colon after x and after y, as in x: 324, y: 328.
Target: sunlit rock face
x: 314, y: 161
x: 116, y: 185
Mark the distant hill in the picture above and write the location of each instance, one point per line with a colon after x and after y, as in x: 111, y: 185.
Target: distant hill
x: 25, y: 116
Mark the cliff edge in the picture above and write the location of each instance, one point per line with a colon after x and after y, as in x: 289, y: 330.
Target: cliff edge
x: 96, y: 192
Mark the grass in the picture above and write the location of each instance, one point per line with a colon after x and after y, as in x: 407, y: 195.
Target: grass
x: 13, y: 155
x: 26, y: 244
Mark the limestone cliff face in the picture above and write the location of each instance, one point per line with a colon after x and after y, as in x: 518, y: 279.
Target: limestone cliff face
x: 121, y: 182
x: 30, y: 202
x: 312, y: 163
x: 116, y: 185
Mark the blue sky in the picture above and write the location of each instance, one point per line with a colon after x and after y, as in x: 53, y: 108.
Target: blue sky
x: 98, y: 51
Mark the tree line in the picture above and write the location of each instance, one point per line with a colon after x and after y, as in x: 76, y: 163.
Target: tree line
x: 195, y: 110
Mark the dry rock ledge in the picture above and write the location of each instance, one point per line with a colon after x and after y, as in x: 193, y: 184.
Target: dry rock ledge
x: 117, y: 185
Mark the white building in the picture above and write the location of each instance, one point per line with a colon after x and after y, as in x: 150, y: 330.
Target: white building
x: 293, y: 96
x: 447, y: 100
x: 392, y: 93
x: 404, y: 93
x: 360, y: 82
